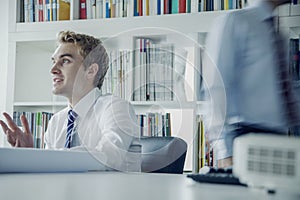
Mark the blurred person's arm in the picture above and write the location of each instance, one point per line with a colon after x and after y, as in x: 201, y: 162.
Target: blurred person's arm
x: 220, y: 75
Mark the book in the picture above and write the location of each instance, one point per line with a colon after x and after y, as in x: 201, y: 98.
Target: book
x: 182, y: 6
x: 40, y: 7
x: 202, y: 144
x: 31, y: 10
x: 82, y: 9
x: 196, y: 143
x: 64, y: 10
x: 54, y: 10
x: 99, y: 9
x: 38, y: 130
x: 174, y: 6
x: 168, y: 129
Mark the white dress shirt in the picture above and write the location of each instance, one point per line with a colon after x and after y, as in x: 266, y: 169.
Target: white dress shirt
x: 106, y: 126
x: 240, y: 72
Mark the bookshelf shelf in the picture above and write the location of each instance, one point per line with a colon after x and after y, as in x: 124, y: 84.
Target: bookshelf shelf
x: 184, y: 23
x: 200, y: 106
x: 40, y: 104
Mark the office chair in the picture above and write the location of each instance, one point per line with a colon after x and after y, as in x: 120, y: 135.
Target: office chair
x: 163, y: 154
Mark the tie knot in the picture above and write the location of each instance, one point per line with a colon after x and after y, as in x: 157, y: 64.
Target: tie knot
x: 72, y: 115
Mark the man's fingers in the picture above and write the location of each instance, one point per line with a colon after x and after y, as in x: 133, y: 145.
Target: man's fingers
x: 10, y: 122
x: 25, y: 124
x: 9, y: 134
x: 11, y: 140
x: 4, y: 126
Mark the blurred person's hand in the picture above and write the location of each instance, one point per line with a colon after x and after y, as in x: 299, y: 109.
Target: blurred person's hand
x: 15, y: 136
x: 225, y: 163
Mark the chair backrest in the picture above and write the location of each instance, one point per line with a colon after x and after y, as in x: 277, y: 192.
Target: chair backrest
x: 163, y: 154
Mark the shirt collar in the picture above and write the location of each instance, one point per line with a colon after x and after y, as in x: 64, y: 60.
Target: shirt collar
x: 84, y: 105
x: 265, y: 10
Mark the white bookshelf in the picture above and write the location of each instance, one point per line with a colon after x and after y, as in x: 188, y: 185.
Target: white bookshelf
x: 32, y: 44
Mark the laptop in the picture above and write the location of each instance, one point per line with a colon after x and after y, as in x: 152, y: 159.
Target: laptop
x: 30, y: 160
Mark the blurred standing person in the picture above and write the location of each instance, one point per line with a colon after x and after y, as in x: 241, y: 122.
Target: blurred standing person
x: 246, y: 73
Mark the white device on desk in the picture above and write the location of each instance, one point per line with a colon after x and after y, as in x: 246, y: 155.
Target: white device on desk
x: 41, y: 160
x: 266, y: 160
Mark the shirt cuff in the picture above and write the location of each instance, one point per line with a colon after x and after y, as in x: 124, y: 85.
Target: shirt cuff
x: 221, y: 149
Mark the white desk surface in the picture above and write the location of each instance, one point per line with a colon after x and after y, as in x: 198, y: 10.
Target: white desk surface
x: 122, y: 186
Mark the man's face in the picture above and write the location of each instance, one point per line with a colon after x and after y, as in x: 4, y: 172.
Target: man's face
x: 66, y: 63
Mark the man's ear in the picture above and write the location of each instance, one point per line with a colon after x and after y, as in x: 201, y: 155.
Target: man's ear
x: 92, y: 70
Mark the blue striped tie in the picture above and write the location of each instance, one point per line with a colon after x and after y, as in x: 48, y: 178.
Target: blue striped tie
x: 71, y: 119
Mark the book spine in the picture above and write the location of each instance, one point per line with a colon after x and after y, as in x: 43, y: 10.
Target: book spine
x: 168, y: 125
x: 147, y: 7
x: 108, y: 10
x: 136, y: 71
x: 202, y: 144
x: 38, y: 128
x: 182, y: 6
x: 41, y: 11
x: 36, y: 10
x: 194, y: 6
x: 117, y: 8
x: 89, y: 9
x: 158, y: 7
x: 196, y: 147
x: 112, y: 4
x: 135, y: 8
x: 54, y: 10
x: 20, y: 9
x: 188, y: 6
x: 99, y: 9
x: 125, y: 8
x: 50, y: 10
x: 82, y: 9
x: 166, y: 7
x: 31, y: 10
x: 122, y: 9
x: 143, y: 70
x: 140, y: 7
x: 174, y: 6
x: 94, y: 9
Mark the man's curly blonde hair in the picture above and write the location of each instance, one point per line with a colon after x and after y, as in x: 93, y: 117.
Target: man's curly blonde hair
x: 91, y: 49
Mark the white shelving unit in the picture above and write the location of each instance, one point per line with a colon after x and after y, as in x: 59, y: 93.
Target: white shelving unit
x: 32, y: 44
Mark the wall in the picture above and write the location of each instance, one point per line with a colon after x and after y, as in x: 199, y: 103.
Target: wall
x: 3, y: 61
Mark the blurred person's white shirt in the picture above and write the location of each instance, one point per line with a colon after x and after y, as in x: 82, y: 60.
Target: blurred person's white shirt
x: 106, y: 126
x: 240, y: 48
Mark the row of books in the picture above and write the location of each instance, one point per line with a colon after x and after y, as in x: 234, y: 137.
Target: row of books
x: 155, y: 124
x: 151, y: 72
x: 294, y: 55
x: 153, y: 69
x: 43, y: 10
x: 95, y: 9
x: 38, y: 123
x: 54, y: 10
x: 117, y: 80
x: 151, y: 124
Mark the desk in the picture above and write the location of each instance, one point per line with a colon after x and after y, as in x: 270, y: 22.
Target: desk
x: 118, y: 185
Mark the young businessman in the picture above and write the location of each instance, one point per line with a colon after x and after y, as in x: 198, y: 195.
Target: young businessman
x: 250, y: 73
x: 104, y: 124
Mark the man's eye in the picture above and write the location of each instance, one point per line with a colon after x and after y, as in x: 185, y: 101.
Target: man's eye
x: 65, y: 61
